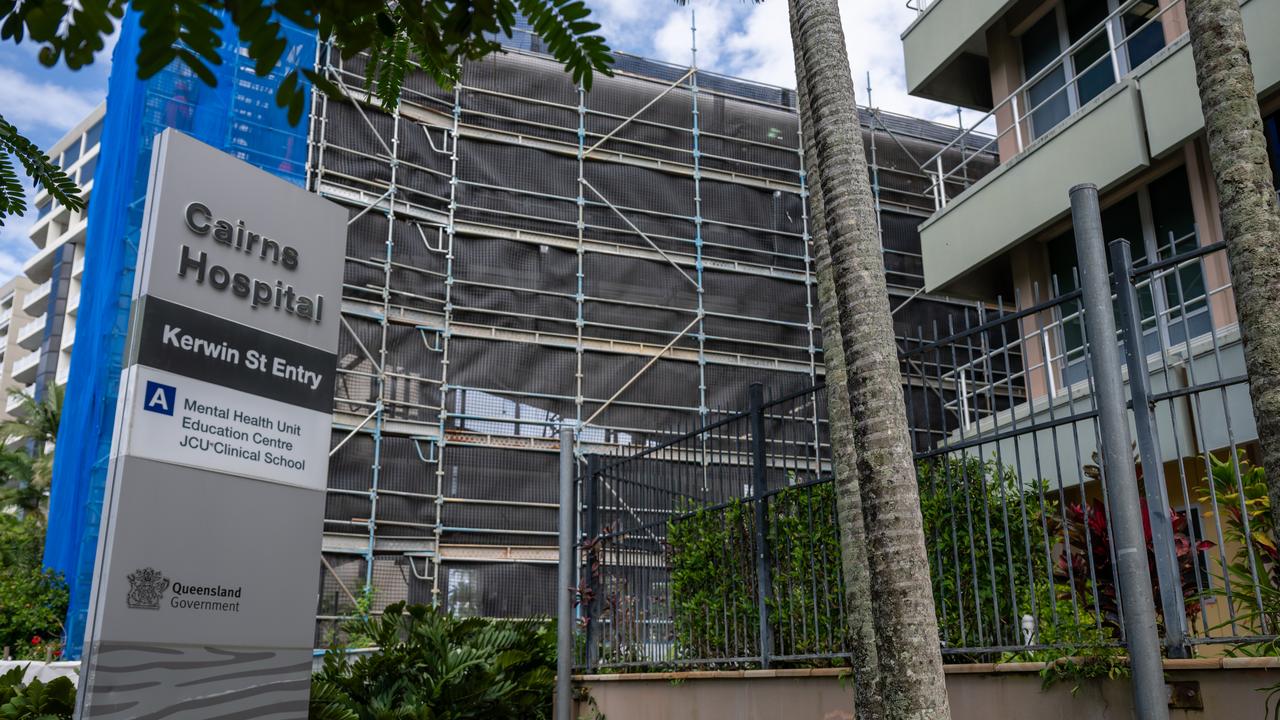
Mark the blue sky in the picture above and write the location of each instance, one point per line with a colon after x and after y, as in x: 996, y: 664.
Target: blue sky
x: 736, y: 38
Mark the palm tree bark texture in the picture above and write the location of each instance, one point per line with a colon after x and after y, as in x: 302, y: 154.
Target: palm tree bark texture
x: 912, y: 685
x: 859, y: 618
x: 1247, y: 199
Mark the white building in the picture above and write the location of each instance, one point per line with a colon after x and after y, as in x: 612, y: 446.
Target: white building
x: 56, y: 269
x: 15, y: 360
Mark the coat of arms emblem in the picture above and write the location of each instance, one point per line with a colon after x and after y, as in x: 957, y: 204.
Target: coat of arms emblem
x: 146, y: 589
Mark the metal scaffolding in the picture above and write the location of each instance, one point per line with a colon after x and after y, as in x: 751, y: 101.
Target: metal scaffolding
x: 521, y: 253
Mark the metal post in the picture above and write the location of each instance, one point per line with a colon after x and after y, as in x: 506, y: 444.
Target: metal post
x: 590, y: 579
x: 1167, y: 570
x: 764, y: 583
x: 1149, y: 697
x: 564, y: 582
x: 1017, y: 121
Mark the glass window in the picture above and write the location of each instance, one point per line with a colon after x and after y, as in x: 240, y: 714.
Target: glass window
x: 1092, y: 62
x: 1175, y: 233
x: 1271, y: 127
x: 1159, y: 224
x: 1046, y: 99
x: 43, y: 208
x: 1062, y: 266
x: 70, y: 155
x: 93, y: 135
x: 1124, y: 220
x: 86, y: 170
x: 1145, y: 36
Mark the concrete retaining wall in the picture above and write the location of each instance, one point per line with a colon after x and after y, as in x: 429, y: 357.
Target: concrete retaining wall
x: 1223, y: 688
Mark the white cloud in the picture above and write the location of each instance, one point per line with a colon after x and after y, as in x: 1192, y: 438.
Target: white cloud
x: 28, y: 103
x: 753, y: 41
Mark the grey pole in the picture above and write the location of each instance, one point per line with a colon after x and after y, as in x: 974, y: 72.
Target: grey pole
x: 764, y: 581
x: 1171, y: 601
x: 564, y: 582
x: 1150, y: 700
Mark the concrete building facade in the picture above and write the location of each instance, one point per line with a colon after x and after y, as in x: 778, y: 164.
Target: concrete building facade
x: 1101, y: 92
x: 57, y: 266
x: 16, y: 361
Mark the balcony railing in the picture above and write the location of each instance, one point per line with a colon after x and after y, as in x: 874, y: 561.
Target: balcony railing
x: 37, y: 295
x: 23, y: 364
x: 31, y: 330
x: 1034, y: 113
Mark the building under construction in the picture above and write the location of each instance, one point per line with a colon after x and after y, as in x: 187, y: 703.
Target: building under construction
x: 521, y: 253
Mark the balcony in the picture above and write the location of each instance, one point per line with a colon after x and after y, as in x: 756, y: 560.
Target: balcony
x: 30, y: 334
x: 1103, y: 122
x: 12, y: 404
x: 24, y: 368
x: 945, y: 50
x: 37, y: 301
x: 5, y: 316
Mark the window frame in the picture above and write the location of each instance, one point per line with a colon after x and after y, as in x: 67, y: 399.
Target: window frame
x: 1118, y: 59
x: 1159, y: 323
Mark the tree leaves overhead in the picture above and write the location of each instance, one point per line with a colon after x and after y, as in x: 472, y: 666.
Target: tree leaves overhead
x: 436, y: 35
x: 38, y: 167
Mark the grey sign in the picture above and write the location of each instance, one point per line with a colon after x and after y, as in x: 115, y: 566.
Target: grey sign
x: 267, y: 259
x: 204, y: 592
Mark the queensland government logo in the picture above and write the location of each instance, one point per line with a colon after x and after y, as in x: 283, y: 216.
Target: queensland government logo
x: 146, y: 589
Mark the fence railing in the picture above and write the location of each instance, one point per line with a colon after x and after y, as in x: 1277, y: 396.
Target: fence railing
x: 719, y: 547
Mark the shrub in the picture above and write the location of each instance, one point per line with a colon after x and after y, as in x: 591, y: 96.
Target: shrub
x: 433, y: 666
x: 33, y: 601
x: 713, y: 577
x: 54, y: 700
x: 987, y: 549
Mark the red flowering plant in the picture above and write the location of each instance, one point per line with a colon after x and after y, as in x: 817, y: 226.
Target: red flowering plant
x: 1086, y: 565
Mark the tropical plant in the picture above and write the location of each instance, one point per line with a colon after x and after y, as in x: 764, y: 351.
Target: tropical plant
x: 20, y: 489
x: 33, y: 600
x: 26, y: 475
x: 1247, y: 203
x: 433, y: 666
x: 1085, y: 563
x: 435, y: 35
x: 1253, y: 572
x: 35, y: 420
x: 37, y: 700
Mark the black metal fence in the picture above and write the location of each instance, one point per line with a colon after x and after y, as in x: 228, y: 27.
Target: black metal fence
x: 719, y: 546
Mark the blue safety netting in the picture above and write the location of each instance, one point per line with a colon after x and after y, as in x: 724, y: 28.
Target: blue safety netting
x: 240, y: 117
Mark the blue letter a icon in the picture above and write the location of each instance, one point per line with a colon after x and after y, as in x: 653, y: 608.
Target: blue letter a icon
x: 159, y: 398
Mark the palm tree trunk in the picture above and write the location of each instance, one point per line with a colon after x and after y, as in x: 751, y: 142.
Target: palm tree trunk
x: 1247, y: 198
x: 859, y: 618
x: 911, y: 680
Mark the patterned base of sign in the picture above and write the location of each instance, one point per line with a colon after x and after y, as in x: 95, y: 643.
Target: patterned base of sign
x: 134, y: 681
